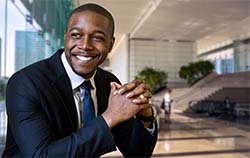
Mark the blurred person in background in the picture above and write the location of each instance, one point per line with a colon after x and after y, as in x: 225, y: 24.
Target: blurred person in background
x: 166, y: 105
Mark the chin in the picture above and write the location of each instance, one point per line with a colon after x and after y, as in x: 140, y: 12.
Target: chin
x: 85, y: 74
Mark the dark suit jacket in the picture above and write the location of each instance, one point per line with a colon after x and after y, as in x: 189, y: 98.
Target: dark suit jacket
x: 42, y: 118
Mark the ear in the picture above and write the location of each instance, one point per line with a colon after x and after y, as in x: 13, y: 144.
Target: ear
x: 111, y: 44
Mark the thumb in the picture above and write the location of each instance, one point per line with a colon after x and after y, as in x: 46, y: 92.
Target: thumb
x: 113, y: 87
x: 117, y: 85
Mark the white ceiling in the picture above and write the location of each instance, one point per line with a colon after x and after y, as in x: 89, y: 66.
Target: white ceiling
x: 188, y: 20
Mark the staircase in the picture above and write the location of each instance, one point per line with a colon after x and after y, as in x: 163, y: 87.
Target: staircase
x: 214, y: 87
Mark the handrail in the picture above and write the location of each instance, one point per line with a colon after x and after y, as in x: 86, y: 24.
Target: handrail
x: 194, y: 91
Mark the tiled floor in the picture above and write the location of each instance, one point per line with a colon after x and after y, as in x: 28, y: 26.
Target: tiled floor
x: 200, y: 137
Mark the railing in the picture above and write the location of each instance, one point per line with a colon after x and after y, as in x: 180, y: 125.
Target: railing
x: 211, y: 106
x: 220, y: 107
x: 196, y: 94
x: 242, y: 109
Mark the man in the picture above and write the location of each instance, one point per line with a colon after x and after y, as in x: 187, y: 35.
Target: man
x: 44, y: 117
x: 166, y: 105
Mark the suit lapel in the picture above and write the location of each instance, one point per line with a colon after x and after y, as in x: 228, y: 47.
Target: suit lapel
x: 63, y: 89
x: 102, y: 91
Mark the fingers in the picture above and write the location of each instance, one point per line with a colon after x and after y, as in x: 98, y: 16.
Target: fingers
x: 114, y: 87
x: 143, y: 98
x: 140, y: 89
x: 140, y: 100
x: 147, y: 94
x: 130, y: 86
x: 134, y: 88
x: 137, y: 90
x: 116, y: 84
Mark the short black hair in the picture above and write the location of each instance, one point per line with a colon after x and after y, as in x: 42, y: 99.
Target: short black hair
x: 97, y: 9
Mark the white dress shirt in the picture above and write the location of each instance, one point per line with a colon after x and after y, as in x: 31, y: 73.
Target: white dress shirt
x: 78, y: 92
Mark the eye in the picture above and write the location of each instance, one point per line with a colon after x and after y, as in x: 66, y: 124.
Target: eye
x: 76, y: 35
x: 98, y: 38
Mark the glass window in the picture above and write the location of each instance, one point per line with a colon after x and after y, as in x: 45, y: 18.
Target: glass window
x: 30, y: 31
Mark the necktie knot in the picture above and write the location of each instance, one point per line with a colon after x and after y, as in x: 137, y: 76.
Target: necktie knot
x: 87, y: 85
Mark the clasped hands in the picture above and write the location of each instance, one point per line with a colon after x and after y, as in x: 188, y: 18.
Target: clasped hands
x: 125, y: 101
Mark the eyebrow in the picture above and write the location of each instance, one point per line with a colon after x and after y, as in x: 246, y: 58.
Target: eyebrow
x: 96, y: 31
x: 74, y: 28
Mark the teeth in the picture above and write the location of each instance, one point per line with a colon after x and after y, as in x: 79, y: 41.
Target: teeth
x: 82, y: 58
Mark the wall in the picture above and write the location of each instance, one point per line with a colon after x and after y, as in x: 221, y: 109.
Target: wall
x: 245, y: 57
x: 119, y: 60
x: 163, y: 55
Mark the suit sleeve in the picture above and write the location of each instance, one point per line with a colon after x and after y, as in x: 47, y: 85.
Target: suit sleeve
x: 134, y: 140
x: 34, y: 134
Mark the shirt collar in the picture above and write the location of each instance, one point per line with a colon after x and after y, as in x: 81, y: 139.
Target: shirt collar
x: 75, y: 79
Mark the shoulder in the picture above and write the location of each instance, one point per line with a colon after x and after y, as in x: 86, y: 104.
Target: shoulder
x: 32, y: 71
x: 45, y: 68
x: 107, y: 76
x: 27, y: 79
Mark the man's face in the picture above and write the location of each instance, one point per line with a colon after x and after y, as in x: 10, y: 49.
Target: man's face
x: 88, y: 40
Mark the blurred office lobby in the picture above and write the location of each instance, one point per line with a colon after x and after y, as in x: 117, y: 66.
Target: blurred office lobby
x: 214, y: 133
x: 160, y: 34
x: 199, y: 137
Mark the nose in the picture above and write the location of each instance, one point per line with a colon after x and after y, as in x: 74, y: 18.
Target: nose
x: 86, y: 43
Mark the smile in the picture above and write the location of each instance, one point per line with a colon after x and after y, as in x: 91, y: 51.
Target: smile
x: 82, y: 58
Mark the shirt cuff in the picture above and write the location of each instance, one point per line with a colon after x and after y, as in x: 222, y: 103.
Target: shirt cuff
x: 152, y: 129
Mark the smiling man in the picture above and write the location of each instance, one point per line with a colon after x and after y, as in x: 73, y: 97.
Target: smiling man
x: 66, y: 106
x: 87, y: 47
